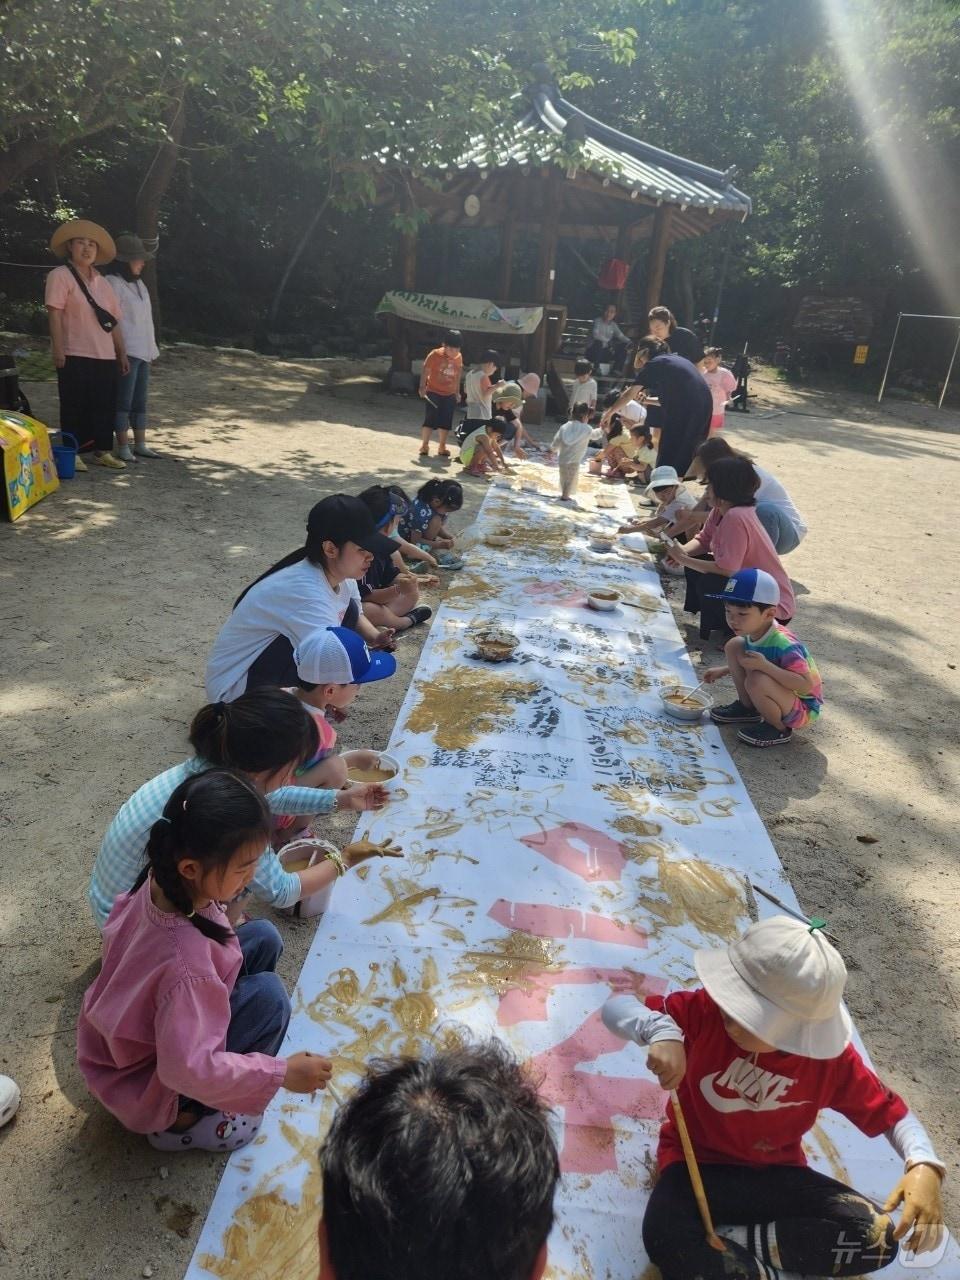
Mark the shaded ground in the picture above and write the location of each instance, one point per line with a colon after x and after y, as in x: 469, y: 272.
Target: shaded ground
x: 113, y: 590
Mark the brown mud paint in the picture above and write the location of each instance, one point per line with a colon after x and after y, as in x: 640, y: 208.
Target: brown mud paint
x: 457, y: 708
x: 507, y: 963
x: 697, y: 892
x: 371, y: 775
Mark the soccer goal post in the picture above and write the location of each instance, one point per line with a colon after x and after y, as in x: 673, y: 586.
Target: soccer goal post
x: 913, y: 315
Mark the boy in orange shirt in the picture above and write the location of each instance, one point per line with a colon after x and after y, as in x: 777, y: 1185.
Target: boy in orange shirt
x: 440, y: 387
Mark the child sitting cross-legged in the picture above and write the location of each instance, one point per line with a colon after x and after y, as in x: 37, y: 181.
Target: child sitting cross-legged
x: 754, y: 1054
x: 179, y: 1033
x: 389, y: 593
x: 481, y: 451
x: 778, y: 685
x: 331, y: 667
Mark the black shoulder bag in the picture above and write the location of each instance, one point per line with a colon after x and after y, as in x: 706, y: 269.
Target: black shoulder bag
x: 106, y: 321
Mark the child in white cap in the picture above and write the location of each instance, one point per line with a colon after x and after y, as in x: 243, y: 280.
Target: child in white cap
x: 778, y: 685
x: 672, y: 499
x: 754, y: 1055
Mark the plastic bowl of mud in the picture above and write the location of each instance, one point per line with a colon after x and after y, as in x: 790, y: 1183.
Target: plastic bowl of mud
x: 601, y: 540
x: 495, y: 644
x: 385, y: 771
x: 606, y: 504
x: 602, y: 599
x: 298, y: 858
x: 499, y: 537
x: 680, y: 706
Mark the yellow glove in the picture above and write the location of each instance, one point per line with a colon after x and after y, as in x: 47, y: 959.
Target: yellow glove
x: 921, y: 1222
x: 363, y: 849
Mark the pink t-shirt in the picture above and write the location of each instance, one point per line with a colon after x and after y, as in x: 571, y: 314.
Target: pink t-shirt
x: 154, y: 1024
x: 739, y: 541
x: 82, y: 335
x: 722, y: 385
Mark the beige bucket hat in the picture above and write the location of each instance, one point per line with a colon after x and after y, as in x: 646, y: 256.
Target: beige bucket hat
x: 81, y: 228
x: 784, y: 982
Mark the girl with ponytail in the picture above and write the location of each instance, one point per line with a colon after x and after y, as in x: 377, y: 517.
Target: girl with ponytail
x: 263, y: 736
x: 178, y: 1035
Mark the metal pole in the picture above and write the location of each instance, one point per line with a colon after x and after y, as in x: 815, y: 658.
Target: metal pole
x: 949, y: 371
x: 883, y: 384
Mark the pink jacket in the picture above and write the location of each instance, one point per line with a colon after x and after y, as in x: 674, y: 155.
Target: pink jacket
x: 739, y: 541
x: 154, y: 1024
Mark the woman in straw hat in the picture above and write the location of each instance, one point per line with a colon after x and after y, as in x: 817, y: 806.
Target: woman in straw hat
x: 136, y: 325
x: 86, y: 338
x: 753, y: 1055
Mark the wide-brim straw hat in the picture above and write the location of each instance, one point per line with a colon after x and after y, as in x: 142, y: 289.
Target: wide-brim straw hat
x: 131, y: 248
x: 81, y: 228
x: 783, y: 981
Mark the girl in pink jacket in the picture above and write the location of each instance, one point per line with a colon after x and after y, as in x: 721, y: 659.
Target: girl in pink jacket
x: 178, y: 1035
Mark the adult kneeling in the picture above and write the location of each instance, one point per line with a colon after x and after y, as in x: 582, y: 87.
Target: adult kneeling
x: 309, y: 590
x: 776, y: 510
x: 732, y: 539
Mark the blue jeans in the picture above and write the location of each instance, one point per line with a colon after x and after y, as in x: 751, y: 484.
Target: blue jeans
x: 132, y: 396
x: 779, y: 529
x: 259, y: 1004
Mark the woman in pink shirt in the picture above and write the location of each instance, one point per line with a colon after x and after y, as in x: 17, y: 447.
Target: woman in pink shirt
x: 732, y: 539
x: 89, y: 357
x: 179, y: 1033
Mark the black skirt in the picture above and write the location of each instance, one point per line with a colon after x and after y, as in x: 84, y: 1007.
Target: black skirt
x: 88, y: 401
x: 699, y: 587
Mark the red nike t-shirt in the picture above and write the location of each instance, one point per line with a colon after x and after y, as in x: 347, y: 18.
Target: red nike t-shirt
x: 745, y: 1108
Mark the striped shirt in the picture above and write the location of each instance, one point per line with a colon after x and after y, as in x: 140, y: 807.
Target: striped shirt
x: 121, y: 856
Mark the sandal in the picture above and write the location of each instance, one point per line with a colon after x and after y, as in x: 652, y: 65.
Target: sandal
x: 222, y: 1131
x: 444, y: 453
x: 424, y: 453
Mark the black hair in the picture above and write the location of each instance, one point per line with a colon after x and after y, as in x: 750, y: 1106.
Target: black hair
x: 311, y: 550
x: 121, y: 269
x: 734, y: 480
x: 641, y: 429
x: 664, y: 314
x: 490, y: 357
x: 259, y: 731
x: 378, y: 499
x: 453, y: 338
x: 449, y: 493
x: 443, y: 1166
x: 716, y: 352
x: 208, y: 818
x: 582, y: 366
x: 581, y: 411
x: 610, y: 398
x: 653, y: 346
x: 713, y: 449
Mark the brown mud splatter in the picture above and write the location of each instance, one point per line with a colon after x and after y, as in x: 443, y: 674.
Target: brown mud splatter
x: 699, y: 893
x: 457, y: 708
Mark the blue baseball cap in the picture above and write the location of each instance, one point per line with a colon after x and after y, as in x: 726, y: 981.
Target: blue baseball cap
x: 340, y: 656
x: 749, y: 586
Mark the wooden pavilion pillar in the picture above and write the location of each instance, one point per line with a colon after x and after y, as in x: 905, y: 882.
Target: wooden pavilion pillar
x: 400, y: 344
x: 657, y: 257
x: 551, y: 195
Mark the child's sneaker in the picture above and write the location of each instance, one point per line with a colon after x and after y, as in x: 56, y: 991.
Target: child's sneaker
x: 221, y: 1131
x: 9, y: 1099
x: 765, y: 735
x: 735, y: 713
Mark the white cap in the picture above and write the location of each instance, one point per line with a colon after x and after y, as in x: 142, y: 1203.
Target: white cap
x: 661, y: 478
x: 633, y: 412
x: 784, y: 982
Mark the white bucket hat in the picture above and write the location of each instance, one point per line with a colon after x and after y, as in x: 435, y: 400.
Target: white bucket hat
x: 633, y: 412
x: 661, y: 478
x: 783, y: 981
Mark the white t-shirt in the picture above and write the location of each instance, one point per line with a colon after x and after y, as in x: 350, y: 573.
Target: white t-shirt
x: 479, y: 405
x: 293, y: 602
x: 136, y: 320
x: 583, y: 392
x: 772, y: 491
x: 570, y: 442
x: 682, y: 500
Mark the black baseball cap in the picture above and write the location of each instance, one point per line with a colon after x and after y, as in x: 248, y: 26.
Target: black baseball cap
x: 341, y: 518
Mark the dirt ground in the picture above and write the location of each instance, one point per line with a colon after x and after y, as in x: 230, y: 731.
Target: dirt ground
x: 114, y: 588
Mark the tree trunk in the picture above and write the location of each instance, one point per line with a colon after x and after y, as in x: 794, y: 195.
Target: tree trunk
x: 153, y: 188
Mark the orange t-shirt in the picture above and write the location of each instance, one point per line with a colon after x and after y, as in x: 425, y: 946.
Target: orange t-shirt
x: 441, y: 373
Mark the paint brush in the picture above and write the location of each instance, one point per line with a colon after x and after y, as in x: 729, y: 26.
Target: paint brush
x: 699, y: 1191
x: 338, y: 1098
x: 791, y: 911
x: 687, y: 696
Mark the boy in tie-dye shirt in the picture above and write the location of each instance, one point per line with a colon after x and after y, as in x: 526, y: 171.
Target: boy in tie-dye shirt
x: 778, y: 685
